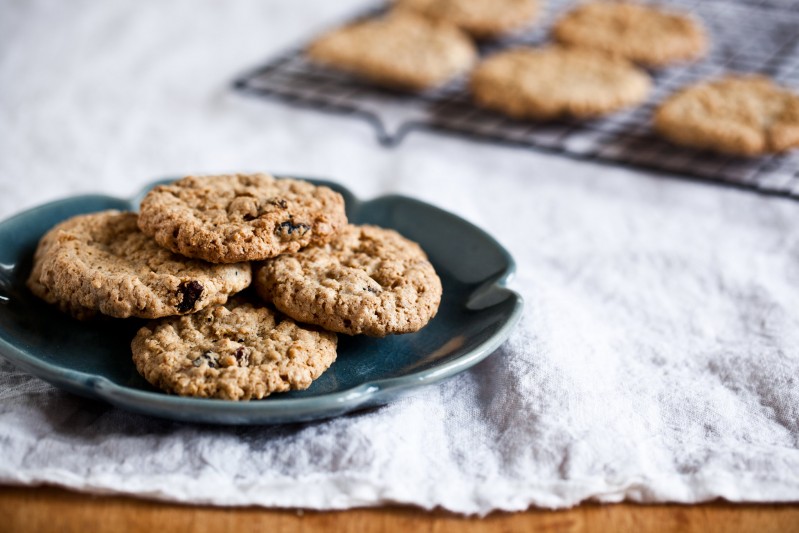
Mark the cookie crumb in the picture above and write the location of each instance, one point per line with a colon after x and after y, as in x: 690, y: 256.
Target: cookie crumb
x: 102, y: 262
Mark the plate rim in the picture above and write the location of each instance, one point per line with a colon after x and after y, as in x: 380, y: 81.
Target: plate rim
x: 369, y: 393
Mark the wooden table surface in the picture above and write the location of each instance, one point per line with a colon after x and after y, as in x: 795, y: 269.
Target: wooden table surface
x: 26, y: 510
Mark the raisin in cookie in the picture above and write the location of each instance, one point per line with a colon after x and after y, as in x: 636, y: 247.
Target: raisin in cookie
x: 737, y: 115
x: 401, y: 50
x: 102, y: 262
x: 552, y: 82
x: 234, y: 352
x: 643, y: 34
x: 367, y: 280
x: 481, y: 18
x: 239, y: 217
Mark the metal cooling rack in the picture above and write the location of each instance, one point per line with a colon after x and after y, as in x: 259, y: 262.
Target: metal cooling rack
x: 750, y: 37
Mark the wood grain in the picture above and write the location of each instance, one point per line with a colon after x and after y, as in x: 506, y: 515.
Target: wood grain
x: 33, y: 510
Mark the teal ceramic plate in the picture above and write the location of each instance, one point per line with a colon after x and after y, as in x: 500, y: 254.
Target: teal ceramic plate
x: 93, y: 359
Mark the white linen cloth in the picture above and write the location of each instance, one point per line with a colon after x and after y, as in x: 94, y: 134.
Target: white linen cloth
x: 657, y: 359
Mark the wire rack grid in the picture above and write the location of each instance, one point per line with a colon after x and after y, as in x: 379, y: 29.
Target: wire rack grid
x: 748, y: 37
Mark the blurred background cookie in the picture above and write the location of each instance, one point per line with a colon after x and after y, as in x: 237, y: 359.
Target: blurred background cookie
x: 646, y: 35
x: 552, y: 82
x: 481, y: 18
x: 401, y: 50
x: 743, y: 115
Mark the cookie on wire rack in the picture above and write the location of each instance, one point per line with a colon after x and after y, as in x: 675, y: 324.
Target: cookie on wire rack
x: 646, y: 35
x: 738, y: 115
x: 399, y: 50
x: 483, y: 19
x: 367, y: 280
x: 101, y: 262
x: 237, y: 351
x: 553, y: 82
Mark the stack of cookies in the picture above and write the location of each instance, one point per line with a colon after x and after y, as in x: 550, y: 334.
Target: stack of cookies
x: 201, y: 240
x: 597, y: 65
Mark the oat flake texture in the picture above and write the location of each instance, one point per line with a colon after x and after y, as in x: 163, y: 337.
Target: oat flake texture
x: 366, y: 280
x: 240, y: 217
x: 236, y: 351
x: 101, y: 262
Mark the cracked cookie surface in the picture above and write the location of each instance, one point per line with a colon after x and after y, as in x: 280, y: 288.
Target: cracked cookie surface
x: 236, y: 351
x: 553, y: 82
x: 367, y: 280
x: 240, y: 217
x: 400, y: 50
x: 643, y: 34
x: 101, y: 262
x: 740, y: 115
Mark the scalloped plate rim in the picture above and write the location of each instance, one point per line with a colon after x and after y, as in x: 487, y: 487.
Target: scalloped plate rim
x: 370, y: 393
